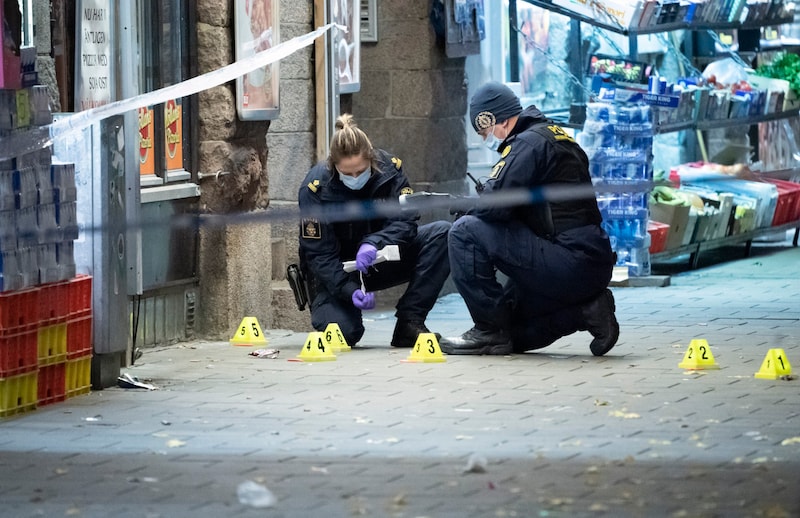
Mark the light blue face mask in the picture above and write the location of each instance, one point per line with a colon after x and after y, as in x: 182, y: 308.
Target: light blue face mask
x: 356, y: 183
x: 491, y: 141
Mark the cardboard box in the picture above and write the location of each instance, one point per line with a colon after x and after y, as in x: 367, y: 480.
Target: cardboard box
x: 719, y: 204
x: 707, y: 225
x: 724, y: 205
x: 744, y: 220
x: 676, y: 216
x: 691, y: 227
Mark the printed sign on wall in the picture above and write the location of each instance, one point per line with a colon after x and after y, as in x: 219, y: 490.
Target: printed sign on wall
x: 93, y: 81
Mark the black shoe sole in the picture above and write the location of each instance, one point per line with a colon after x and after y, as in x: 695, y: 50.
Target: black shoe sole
x: 486, y: 350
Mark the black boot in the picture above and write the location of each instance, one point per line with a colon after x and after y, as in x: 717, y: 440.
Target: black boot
x: 406, y: 333
x: 599, y: 320
x: 478, y: 341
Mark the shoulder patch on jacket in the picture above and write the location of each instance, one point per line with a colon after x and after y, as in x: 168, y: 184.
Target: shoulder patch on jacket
x: 397, y: 163
x: 313, y: 186
x: 506, y: 151
x: 497, y: 168
x: 311, y: 228
x: 406, y: 190
x: 559, y: 133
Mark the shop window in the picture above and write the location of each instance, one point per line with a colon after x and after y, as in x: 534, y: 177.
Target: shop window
x: 165, y: 151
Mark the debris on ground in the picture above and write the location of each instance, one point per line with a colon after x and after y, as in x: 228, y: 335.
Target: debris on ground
x: 255, y: 495
x: 475, y: 464
x: 131, y: 382
x: 265, y: 353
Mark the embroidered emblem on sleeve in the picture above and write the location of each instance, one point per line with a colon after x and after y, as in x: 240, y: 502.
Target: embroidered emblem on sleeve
x: 311, y: 229
x: 397, y: 163
x: 312, y: 186
x: 498, y: 167
x: 407, y: 190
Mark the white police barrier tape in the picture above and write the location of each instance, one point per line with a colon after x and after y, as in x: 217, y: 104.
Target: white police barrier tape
x: 21, y: 142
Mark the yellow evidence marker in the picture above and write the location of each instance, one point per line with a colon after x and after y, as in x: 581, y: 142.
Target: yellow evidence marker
x: 698, y: 356
x: 316, y: 349
x: 426, y: 350
x: 774, y: 366
x: 335, y: 339
x: 249, y: 333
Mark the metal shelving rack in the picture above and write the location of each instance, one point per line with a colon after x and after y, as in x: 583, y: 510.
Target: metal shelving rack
x: 693, y: 250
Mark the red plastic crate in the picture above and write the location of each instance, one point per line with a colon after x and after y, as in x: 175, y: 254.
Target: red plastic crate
x: 80, y: 295
x: 18, y: 352
x: 52, y: 383
x: 788, y: 207
x: 79, y: 337
x: 53, y: 302
x: 18, y: 308
x: 658, y: 236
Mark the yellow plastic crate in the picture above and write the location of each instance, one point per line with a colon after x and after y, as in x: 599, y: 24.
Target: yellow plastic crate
x: 52, y: 344
x: 18, y: 394
x: 79, y: 376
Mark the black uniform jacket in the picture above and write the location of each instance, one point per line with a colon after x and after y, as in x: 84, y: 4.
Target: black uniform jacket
x: 329, y: 235
x: 536, y: 153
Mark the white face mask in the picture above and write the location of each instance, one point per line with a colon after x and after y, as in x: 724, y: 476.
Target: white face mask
x: 356, y: 183
x: 491, y: 141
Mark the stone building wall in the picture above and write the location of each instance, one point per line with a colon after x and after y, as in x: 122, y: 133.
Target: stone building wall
x: 234, y: 253
x: 413, y: 98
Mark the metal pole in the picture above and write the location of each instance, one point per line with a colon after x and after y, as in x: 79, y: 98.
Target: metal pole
x: 513, y: 44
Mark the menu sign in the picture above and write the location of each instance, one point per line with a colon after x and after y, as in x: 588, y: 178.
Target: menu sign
x: 93, y: 81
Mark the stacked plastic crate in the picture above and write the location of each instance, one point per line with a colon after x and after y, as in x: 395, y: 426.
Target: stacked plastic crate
x: 64, y: 339
x: 618, y: 138
x: 45, y: 310
x: 18, y: 351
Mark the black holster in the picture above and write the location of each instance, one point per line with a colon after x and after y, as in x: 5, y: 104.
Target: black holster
x: 299, y: 286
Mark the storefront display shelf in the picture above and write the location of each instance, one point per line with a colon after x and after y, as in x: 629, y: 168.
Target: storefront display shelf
x: 671, y: 127
x: 653, y: 29
x: 693, y: 250
x: 741, y: 121
x: 709, y: 124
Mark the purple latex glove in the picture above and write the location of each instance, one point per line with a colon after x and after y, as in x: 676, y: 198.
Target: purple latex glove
x: 363, y: 300
x: 365, y: 257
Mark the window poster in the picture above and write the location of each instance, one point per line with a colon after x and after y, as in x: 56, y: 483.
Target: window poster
x: 173, y: 134
x: 256, y: 30
x: 347, y: 45
x: 535, y: 28
x: 147, y: 158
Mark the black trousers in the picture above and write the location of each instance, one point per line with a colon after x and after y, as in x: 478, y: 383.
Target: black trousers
x: 548, y: 281
x: 423, y: 264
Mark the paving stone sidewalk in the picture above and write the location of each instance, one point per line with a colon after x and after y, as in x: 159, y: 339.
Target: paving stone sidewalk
x: 556, y: 432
